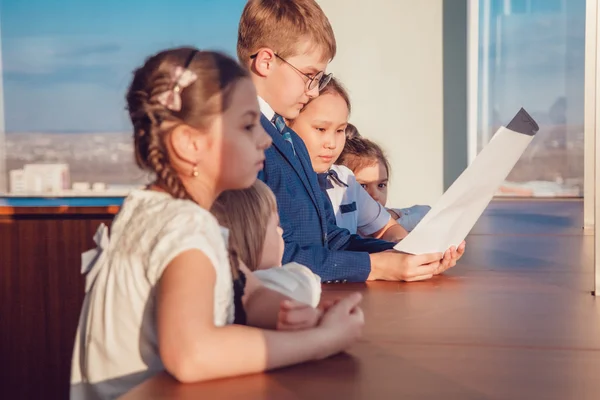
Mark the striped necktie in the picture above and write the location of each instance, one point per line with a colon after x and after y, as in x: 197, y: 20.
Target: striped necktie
x: 283, y: 129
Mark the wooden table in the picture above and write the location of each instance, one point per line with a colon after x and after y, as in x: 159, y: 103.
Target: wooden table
x: 515, y: 320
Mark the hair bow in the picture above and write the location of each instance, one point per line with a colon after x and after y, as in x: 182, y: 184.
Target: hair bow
x: 183, y: 78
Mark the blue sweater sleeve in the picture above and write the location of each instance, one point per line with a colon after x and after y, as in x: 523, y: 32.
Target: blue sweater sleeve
x: 345, y: 258
x: 330, y: 265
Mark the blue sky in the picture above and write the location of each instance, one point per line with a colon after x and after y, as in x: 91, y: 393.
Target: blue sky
x: 67, y: 63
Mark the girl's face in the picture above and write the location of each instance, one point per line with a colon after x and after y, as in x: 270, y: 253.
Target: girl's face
x: 237, y: 152
x: 374, y: 178
x: 322, y: 125
x: 272, y: 251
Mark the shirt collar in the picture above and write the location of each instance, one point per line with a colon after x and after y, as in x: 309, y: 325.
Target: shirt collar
x: 334, y: 176
x: 330, y: 179
x: 266, y: 109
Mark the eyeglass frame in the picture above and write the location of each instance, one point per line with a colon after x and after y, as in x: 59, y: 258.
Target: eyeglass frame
x: 311, y: 79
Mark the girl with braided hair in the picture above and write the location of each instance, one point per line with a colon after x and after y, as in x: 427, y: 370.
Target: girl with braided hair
x: 161, y: 293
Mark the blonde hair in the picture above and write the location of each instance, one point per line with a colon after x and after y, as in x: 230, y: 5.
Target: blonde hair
x: 279, y: 24
x: 246, y: 213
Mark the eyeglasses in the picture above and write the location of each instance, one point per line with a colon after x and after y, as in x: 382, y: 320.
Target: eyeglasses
x: 320, y: 79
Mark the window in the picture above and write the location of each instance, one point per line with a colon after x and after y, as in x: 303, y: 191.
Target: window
x: 531, y: 55
x: 64, y: 73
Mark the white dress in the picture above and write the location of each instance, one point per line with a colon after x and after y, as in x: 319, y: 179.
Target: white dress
x: 116, y: 346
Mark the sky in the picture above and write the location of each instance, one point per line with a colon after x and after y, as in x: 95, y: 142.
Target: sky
x: 66, y: 64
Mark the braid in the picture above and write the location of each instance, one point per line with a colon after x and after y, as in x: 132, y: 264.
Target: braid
x: 167, y: 178
x: 149, y: 136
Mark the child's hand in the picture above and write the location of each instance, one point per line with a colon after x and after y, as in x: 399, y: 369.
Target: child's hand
x: 295, y: 316
x: 392, y: 265
x: 343, y: 321
x: 451, y: 256
x: 327, y: 304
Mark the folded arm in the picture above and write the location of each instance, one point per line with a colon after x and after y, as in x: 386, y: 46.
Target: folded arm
x: 193, y: 349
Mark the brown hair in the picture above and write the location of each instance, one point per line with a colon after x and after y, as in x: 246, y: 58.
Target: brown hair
x: 351, y: 132
x: 207, y: 96
x: 335, y: 87
x: 360, y: 152
x: 279, y: 24
x: 245, y: 213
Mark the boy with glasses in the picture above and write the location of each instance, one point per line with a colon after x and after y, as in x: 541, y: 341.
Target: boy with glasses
x: 286, y: 46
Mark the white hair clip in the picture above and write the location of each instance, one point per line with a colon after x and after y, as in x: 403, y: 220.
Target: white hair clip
x: 183, y: 78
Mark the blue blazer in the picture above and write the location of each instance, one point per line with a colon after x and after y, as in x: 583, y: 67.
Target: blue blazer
x: 310, y: 233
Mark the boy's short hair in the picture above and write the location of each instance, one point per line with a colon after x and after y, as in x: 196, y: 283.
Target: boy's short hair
x: 280, y: 25
x: 360, y: 152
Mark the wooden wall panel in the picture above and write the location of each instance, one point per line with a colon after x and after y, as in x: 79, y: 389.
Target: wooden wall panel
x: 41, y: 291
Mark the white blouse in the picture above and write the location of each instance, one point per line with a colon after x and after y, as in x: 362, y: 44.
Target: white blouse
x: 116, y: 346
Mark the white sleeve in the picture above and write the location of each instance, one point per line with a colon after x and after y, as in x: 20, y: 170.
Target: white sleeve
x: 372, y: 216
x: 187, y: 230
x: 293, y: 280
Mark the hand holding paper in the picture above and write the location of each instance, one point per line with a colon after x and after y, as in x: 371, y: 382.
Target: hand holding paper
x: 454, y: 215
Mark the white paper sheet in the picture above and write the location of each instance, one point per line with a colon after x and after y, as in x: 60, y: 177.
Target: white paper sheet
x: 454, y: 215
